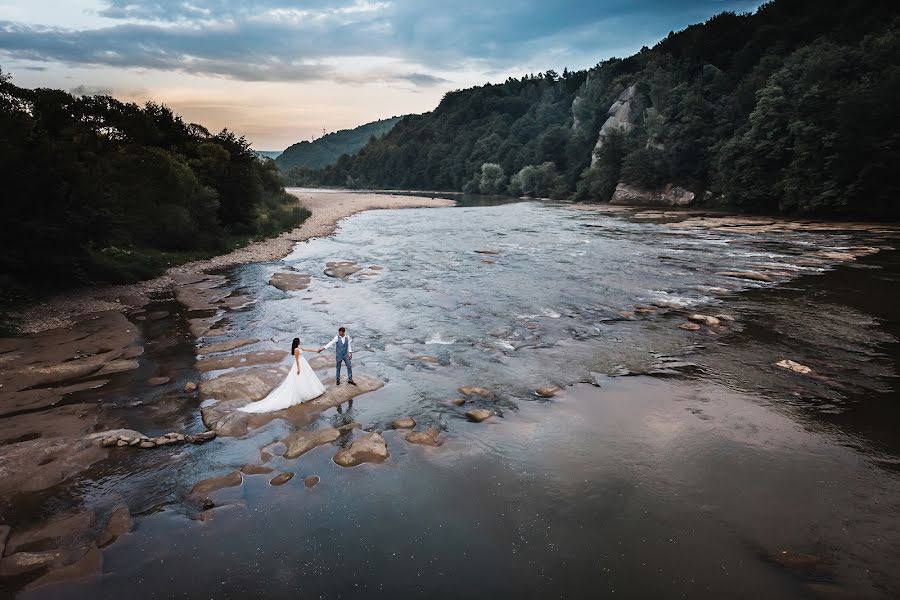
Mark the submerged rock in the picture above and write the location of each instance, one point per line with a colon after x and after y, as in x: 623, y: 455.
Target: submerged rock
x: 155, y: 381
x: 119, y: 523
x: 281, y: 478
x: 301, y: 442
x: 208, y: 486
x: 256, y: 470
x: 404, y: 423
x: 424, y: 438
x: 479, y: 414
x: 369, y: 448
x: 689, y: 327
x: 469, y: 390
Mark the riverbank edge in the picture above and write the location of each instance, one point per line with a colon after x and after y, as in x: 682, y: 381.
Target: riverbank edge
x: 328, y: 208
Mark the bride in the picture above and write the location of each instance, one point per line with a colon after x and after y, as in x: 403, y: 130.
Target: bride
x: 301, y: 384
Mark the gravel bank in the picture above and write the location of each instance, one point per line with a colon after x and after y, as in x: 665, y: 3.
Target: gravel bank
x: 327, y: 207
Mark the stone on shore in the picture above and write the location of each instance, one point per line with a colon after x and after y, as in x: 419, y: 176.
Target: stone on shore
x: 469, y: 390
x: 119, y: 523
x: 369, y: 448
x: 281, y: 478
x: 479, y: 414
x: 794, y: 366
x: 290, y: 282
x: 311, y: 481
x: 204, y: 488
x: 404, y: 423
x: 548, y: 391
x: 301, y: 442
x: 689, y: 327
x: 705, y: 319
x: 424, y: 438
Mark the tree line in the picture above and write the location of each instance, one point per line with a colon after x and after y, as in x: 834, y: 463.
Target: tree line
x: 790, y: 109
x: 97, y: 190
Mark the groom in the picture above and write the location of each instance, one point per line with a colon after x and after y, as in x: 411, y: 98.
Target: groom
x: 343, y: 352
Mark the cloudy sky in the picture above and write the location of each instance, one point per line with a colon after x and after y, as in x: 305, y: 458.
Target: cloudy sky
x: 279, y: 71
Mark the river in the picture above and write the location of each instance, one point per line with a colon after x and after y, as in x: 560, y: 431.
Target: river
x: 672, y: 463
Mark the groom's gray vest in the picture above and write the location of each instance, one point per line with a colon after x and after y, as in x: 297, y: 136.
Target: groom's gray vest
x: 340, y: 348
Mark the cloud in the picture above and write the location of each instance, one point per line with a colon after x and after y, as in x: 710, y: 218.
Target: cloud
x: 287, y: 40
x: 87, y: 90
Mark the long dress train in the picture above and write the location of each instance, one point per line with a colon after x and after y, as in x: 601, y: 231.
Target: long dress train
x: 293, y: 390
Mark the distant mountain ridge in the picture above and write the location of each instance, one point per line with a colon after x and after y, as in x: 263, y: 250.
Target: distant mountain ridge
x: 327, y: 149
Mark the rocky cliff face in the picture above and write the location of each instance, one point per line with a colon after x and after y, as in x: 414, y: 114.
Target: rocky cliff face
x: 668, y: 196
x: 619, y: 118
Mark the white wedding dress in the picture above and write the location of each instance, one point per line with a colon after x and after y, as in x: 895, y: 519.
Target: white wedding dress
x: 293, y: 390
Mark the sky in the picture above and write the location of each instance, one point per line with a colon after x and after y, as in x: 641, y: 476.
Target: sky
x: 280, y: 71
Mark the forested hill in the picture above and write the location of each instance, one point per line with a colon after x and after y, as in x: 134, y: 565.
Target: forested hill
x: 791, y: 109
x: 99, y: 190
x: 327, y: 149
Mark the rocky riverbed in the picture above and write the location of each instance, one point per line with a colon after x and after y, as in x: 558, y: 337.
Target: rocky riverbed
x: 594, y: 352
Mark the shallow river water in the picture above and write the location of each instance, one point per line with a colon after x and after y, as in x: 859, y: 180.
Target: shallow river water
x: 673, y: 463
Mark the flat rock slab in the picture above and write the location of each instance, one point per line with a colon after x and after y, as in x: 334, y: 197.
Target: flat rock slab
x: 44, y: 462
x: 341, y: 269
x: 290, y: 282
x: 66, y: 529
x: 234, y: 390
x: 479, y: 414
x: 250, y: 359
x: 368, y: 448
x: 281, y: 478
x: 227, y: 346
x: 207, y: 486
x: 301, y: 442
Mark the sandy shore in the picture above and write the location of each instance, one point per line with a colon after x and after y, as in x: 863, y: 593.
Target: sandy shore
x: 327, y: 207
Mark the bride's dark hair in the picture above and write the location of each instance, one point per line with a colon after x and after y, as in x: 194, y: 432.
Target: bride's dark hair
x: 294, y: 345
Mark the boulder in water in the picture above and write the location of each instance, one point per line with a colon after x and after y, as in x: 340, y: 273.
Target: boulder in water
x: 289, y: 282
x: 203, y: 488
x: 424, y: 438
x: 548, y: 391
x: 281, y: 478
x: 311, y: 481
x: 404, y: 423
x: 689, y: 327
x: 794, y: 366
x: 301, y: 442
x: 479, y: 414
x: 469, y: 390
x: 369, y: 448
x: 705, y: 319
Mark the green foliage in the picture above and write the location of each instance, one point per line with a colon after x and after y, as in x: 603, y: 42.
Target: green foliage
x: 99, y: 190
x: 327, y: 149
x: 792, y: 109
x: 541, y: 181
